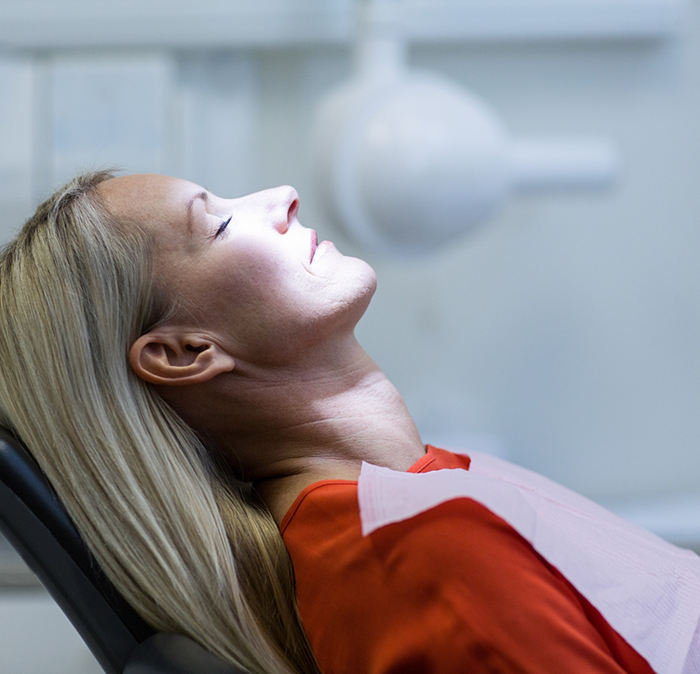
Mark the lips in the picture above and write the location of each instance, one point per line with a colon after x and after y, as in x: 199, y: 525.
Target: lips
x: 314, y: 244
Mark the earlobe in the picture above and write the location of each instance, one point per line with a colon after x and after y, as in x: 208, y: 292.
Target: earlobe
x: 167, y: 357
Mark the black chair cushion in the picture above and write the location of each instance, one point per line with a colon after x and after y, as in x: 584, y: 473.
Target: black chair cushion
x: 175, y: 654
x: 39, y: 528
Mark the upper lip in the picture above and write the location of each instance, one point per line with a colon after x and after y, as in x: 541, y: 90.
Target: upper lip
x: 314, y: 243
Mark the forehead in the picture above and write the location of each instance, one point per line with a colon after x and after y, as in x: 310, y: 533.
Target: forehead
x: 149, y: 199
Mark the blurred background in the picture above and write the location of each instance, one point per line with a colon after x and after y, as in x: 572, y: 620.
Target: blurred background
x: 563, y: 333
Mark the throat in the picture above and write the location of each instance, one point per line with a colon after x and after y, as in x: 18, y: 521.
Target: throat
x: 279, y: 493
x: 288, y: 434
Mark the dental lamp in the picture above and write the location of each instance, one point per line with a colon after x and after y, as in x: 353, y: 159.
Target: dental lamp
x: 406, y: 161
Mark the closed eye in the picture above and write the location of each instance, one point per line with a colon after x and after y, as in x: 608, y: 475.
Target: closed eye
x: 222, y: 227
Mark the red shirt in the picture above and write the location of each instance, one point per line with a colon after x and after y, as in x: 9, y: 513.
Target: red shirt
x: 454, y: 589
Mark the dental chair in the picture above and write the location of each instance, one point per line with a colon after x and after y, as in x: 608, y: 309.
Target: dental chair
x: 38, y: 527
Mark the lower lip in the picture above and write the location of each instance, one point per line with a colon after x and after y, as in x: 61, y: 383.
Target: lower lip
x: 321, y: 248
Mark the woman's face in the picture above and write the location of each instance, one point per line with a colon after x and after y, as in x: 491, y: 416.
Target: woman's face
x: 245, y: 270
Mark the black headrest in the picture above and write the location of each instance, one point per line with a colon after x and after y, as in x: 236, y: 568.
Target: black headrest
x: 37, y: 525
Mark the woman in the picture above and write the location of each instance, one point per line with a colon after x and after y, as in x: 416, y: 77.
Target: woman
x: 191, y: 550
x: 173, y: 349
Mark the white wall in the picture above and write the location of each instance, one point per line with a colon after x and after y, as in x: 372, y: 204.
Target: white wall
x: 568, y: 327
x: 571, y: 326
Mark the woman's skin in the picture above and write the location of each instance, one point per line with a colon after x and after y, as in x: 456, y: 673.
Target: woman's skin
x: 260, y: 355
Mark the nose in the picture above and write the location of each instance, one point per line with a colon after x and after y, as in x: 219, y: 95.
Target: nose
x: 285, y: 208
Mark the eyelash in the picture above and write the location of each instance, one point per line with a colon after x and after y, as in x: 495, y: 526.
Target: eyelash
x: 222, y: 227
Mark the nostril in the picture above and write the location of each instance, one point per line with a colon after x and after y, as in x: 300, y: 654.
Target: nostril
x: 293, y: 210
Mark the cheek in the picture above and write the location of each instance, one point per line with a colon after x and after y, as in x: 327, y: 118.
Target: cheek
x: 266, y: 305
x: 252, y: 296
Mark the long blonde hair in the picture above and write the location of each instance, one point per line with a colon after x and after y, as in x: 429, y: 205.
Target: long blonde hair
x: 192, y: 550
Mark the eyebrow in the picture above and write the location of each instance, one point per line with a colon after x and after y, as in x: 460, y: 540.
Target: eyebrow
x: 204, y: 196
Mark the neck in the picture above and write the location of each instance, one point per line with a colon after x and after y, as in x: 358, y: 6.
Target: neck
x: 290, y: 428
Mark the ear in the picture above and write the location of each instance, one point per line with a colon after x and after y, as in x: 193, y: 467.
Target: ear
x: 170, y: 356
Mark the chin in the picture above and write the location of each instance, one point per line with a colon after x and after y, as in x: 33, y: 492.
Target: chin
x: 366, y: 279
x: 364, y: 269
x: 366, y: 286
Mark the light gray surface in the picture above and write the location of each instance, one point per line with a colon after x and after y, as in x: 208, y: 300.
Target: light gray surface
x: 13, y: 571
x: 42, y: 24
x: 36, y: 638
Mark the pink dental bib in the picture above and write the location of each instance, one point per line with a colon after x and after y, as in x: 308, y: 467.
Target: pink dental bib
x: 647, y: 589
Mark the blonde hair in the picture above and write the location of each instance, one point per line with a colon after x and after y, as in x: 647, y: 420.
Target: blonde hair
x: 191, y: 550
